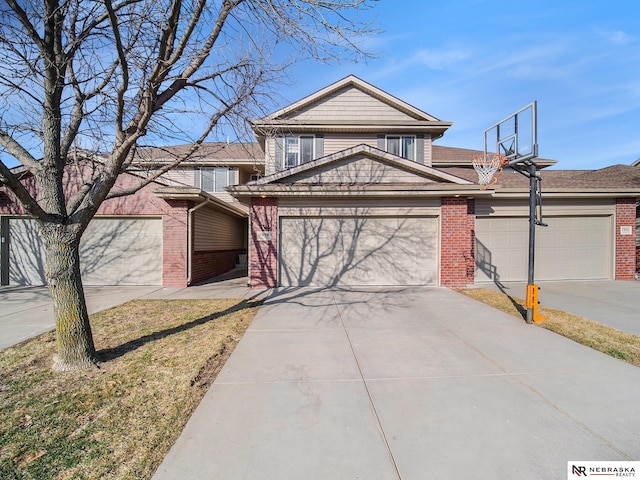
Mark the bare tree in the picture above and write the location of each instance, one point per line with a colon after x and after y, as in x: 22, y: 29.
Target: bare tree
x: 106, y: 74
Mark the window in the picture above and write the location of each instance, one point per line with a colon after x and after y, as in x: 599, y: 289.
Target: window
x: 403, y: 146
x: 215, y: 179
x: 298, y: 150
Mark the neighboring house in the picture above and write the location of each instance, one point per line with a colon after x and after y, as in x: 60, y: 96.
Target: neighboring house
x: 355, y: 193
x: 170, y: 233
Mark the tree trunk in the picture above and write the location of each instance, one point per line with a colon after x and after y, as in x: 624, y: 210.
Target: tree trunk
x: 75, y: 342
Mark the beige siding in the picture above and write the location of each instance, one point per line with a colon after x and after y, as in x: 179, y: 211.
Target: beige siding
x: 214, y: 230
x: 337, y: 142
x: 359, y: 169
x: 299, y: 207
x: 180, y: 177
x: 349, y: 104
x: 520, y: 207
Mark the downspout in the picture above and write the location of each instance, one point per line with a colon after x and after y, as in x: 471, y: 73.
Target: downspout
x: 190, y: 238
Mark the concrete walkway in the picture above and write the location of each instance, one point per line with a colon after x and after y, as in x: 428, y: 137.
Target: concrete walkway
x: 26, y: 312
x: 415, y: 383
x: 610, y: 302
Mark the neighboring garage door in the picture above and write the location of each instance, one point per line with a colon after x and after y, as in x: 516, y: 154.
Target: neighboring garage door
x: 358, y: 251
x: 570, y: 248
x: 113, y: 251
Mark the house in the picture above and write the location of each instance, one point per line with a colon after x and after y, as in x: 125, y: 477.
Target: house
x: 178, y: 230
x: 356, y: 193
x: 343, y: 187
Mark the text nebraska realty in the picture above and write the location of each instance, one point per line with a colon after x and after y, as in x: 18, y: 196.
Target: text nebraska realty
x: 604, y: 471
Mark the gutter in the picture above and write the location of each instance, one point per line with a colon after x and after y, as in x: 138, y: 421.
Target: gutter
x: 207, y: 200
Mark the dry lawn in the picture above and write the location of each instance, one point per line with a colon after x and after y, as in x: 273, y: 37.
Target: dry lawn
x: 120, y: 420
x: 603, y: 338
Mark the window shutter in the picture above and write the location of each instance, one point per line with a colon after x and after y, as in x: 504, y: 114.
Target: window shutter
x: 381, y: 142
x: 196, y: 178
x: 279, y: 153
x: 420, y: 149
x: 319, y: 145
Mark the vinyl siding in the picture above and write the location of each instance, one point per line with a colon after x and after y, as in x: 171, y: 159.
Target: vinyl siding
x: 349, y: 104
x: 214, y: 230
x: 357, y: 170
x: 337, y: 142
x: 300, y: 207
x: 180, y: 177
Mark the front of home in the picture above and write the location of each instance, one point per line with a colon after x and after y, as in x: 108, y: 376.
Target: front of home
x: 344, y: 187
x: 356, y: 193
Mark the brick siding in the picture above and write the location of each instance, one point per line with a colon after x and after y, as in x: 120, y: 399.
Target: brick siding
x: 210, y: 263
x: 626, y: 260
x: 457, y: 249
x: 263, y: 254
x: 174, y: 245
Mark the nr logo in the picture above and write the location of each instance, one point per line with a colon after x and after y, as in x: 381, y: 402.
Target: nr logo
x: 578, y: 470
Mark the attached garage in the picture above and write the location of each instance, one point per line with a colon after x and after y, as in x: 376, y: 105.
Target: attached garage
x: 113, y: 251
x: 362, y: 250
x: 570, y: 248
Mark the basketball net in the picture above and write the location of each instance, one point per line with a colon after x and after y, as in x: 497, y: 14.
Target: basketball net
x: 487, y: 167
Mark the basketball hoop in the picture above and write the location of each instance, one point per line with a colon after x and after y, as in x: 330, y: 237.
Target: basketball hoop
x: 486, y: 166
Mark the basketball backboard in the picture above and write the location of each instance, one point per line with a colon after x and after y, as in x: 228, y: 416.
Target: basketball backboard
x: 515, y: 136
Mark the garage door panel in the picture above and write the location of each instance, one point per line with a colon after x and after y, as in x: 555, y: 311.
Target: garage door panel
x: 113, y: 251
x: 358, y: 251
x: 569, y: 248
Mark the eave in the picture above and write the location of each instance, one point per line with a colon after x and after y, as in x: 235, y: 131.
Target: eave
x: 359, y: 190
x: 198, y: 196
x: 568, y: 192
x: 436, y: 129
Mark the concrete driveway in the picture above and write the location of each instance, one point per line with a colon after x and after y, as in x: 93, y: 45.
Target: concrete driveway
x: 405, y: 384
x: 611, y: 302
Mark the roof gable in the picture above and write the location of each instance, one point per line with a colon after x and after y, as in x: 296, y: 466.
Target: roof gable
x: 345, y: 98
x: 361, y: 165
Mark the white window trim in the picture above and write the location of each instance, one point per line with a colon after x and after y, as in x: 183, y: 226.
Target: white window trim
x: 298, y: 138
x: 400, y: 140
x: 229, y: 181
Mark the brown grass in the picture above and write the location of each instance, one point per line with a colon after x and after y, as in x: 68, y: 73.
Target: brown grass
x: 603, y: 338
x: 120, y: 420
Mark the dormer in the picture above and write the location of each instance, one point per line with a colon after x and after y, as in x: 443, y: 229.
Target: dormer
x: 347, y: 113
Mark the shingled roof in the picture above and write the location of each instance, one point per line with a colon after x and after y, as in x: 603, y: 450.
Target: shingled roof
x: 211, y: 151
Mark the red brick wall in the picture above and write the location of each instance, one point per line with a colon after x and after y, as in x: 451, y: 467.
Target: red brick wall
x: 263, y: 254
x: 625, y: 244
x: 174, y: 245
x: 457, y: 242
x: 207, y: 264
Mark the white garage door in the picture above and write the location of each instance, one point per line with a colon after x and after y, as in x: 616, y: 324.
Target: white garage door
x: 358, y: 251
x: 113, y: 251
x: 570, y: 248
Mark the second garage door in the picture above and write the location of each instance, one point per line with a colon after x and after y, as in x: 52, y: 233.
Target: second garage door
x: 113, y: 251
x: 358, y: 251
x: 570, y: 248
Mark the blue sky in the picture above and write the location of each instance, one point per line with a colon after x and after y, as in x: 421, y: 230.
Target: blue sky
x: 475, y: 61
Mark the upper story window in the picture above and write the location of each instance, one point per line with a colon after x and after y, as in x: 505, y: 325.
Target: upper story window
x: 215, y: 179
x: 298, y: 150
x: 403, y: 146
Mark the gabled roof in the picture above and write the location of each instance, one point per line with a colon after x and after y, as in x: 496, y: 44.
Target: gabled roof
x: 346, y: 173
x: 296, y: 117
x: 353, y: 81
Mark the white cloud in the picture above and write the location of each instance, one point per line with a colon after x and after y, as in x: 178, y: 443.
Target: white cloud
x: 615, y: 37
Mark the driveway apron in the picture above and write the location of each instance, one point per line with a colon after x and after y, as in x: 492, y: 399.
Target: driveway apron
x: 412, y: 383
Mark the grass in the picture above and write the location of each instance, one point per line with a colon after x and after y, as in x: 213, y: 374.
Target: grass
x: 120, y: 420
x: 603, y: 338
